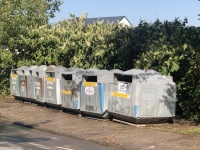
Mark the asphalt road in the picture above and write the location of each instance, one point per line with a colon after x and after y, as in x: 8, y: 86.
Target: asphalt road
x: 14, y: 137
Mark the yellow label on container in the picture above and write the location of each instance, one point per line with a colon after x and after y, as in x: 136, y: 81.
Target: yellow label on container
x: 121, y: 95
x: 66, y: 92
x: 14, y: 76
x: 89, y: 83
x: 50, y: 79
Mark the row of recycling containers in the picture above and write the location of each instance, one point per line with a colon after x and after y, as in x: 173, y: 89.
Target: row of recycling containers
x: 136, y: 96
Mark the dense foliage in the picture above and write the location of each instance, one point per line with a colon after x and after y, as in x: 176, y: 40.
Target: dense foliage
x: 20, y: 18
x: 171, y: 48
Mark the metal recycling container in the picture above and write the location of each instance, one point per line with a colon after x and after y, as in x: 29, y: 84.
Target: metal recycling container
x: 23, y: 83
x: 94, y: 92
x: 140, y: 96
x: 38, y: 87
x: 31, y: 84
x: 52, y: 83
x: 15, y: 81
x: 70, y: 89
x: 26, y: 77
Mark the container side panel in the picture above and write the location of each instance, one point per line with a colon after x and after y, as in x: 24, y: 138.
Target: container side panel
x: 66, y: 92
x: 148, y: 101
x: 14, y: 84
x: 90, y: 96
x: 50, y: 94
x: 166, y: 101
x: 121, y: 95
x: 31, y: 87
x: 39, y: 89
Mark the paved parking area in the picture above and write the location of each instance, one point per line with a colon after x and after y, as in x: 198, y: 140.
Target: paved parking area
x: 119, y: 135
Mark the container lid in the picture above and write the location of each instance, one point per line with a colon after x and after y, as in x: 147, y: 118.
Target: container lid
x: 74, y: 71
x: 116, y: 71
x: 41, y: 68
x: 96, y: 72
x: 31, y: 68
x: 51, y: 68
x: 60, y: 69
x: 22, y: 68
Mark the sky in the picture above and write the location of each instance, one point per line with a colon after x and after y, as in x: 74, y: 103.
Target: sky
x: 134, y: 10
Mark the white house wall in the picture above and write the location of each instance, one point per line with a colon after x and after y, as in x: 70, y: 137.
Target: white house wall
x: 124, y: 22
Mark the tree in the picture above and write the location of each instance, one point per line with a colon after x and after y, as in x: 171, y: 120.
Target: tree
x: 18, y: 16
x: 17, y: 19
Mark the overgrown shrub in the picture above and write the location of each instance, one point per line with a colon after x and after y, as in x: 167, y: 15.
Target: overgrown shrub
x: 171, y: 48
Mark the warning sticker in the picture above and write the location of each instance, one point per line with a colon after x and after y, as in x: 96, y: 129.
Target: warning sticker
x: 121, y: 95
x: 89, y: 90
x: 89, y: 83
x: 49, y: 83
x: 66, y: 92
x: 122, y: 87
x: 37, y: 84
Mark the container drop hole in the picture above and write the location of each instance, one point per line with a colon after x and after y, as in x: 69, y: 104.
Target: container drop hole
x: 67, y: 76
x: 124, y: 78
x: 14, y: 72
x: 90, y: 78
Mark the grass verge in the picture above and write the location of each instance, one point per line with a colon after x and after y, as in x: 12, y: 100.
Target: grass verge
x: 189, y: 131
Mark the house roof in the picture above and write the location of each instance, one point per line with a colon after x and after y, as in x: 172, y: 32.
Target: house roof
x: 114, y: 20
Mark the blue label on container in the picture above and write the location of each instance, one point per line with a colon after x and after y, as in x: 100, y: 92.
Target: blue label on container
x: 80, y: 90
x: 76, y: 104
x: 135, y: 108
x: 101, y: 87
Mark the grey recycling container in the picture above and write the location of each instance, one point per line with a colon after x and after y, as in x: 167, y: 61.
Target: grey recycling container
x: 26, y: 82
x: 15, y: 81
x: 70, y: 89
x: 23, y: 83
x: 31, y: 83
x: 38, y: 87
x: 94, y: 92
x: 52, y: 83
x: 140, y: 96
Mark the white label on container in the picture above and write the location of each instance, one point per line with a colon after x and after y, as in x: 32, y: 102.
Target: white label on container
x: 50, y: 87
x: 37, y: 92
x: 89, y: 90
x: 49, y: 83
x: 122, y: 87
x: 49, y: 93
x: 37, y: 84
x: 38, y: 88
